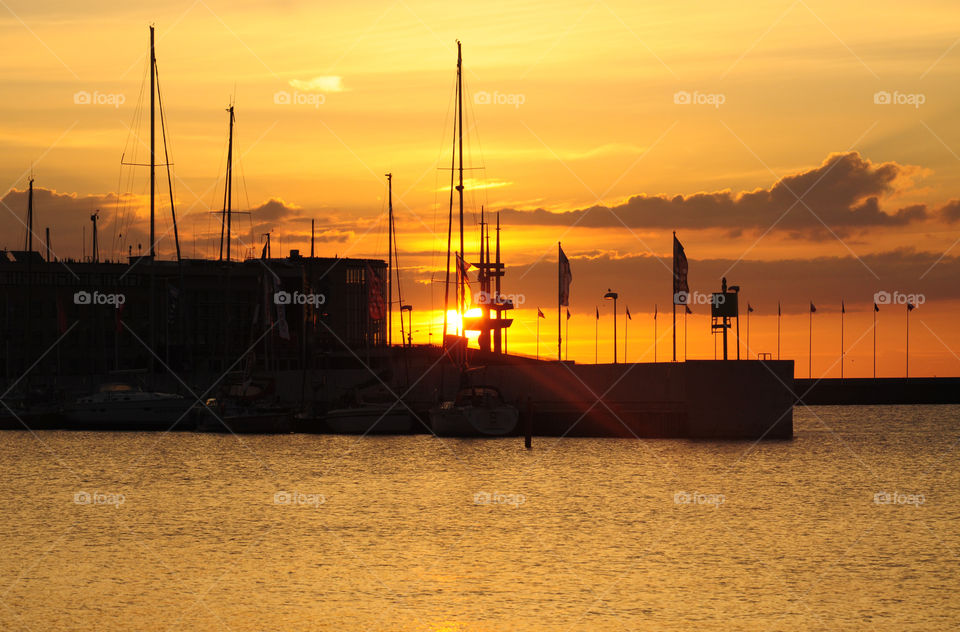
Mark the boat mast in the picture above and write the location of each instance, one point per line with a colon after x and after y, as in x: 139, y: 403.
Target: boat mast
x: 446, y: 284
x: 153, y: 178
x: 227, y: 214
x: 153, y: 174
x: 460, y: 185
x: 390, y: 259
x: 497, y: 341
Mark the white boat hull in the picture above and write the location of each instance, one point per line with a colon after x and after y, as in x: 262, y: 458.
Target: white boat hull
x: 370, y: 420
x: 470, y: 421
x: 134, y: 414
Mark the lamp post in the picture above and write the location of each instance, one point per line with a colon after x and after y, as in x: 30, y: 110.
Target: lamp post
x: 614, y: 296
x: 409, y: 310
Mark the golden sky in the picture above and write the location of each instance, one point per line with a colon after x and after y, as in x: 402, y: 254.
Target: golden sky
x: 602, y: 124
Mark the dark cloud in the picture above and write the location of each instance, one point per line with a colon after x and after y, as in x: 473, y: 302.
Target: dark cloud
x: 275, y: 210
x: 645, y: 280
x: 951, y: 212
x: 842, y: 195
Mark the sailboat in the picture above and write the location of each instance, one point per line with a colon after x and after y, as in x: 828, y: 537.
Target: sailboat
x: 386, y: 417
x: 122, y: 406
x: 477, y: 410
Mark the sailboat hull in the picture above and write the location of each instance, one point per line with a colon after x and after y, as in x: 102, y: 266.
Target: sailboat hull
x: 370, y: 420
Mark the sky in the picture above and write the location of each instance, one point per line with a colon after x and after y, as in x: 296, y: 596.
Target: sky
x: 806, y: 150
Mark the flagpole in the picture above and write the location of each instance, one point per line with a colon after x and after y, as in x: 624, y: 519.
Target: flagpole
x: 684, y: 334
x: 626, y: 333
x: 748, y: 331
x: 810, y: 363
x: 778, y: 330
x: 566, y: 351
x: 538, y: 334
x: 596, y: 338
x: 908, y: 341
x: 843, y: 310
x: 654, y: 333
x: 874, y: 341
x: 674, y: 301
x: 559, y: 284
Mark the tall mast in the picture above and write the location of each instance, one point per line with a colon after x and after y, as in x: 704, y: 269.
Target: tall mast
x: 498, y: 340
x: 460, y: 169
x: 390, y: 259
x: 228, y: 192
x: 153, y: 158
x: 28, y: 238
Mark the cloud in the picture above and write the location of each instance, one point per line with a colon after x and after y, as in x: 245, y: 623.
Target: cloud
x: 275, y: 209
x: 325, y: 84
x: 951, y: 212
x: 842, y: 195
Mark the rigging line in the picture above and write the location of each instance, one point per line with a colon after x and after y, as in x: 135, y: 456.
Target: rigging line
x: 436, y: 189
x: 120, y: 214
x: 211, y: 236
x: 166, y: 159
x: 475, y: 129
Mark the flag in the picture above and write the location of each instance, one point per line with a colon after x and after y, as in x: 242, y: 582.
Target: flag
x: 568, y: 314
x: 843, y: 308
x: 375, y: 303
x: 654, y: 312
x: 687, y: 307
x: 911, y: 307
x: 680, y: 269
x: 540, y: 313
x: 813, y: 308
x: 598, y: 313
x: 749, y: 308
x: 263, y: 253
x: 566, y: 277
x: 628, y: 313
x: 463, y: 280
x: 876, y: 307
x: 778, y: 308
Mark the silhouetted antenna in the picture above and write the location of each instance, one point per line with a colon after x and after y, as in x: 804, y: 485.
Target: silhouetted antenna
x: 28, y: 238
x: 96, y: 247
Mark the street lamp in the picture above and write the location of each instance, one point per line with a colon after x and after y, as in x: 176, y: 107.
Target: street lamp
x: 407, y: 308
x: 614, y: 296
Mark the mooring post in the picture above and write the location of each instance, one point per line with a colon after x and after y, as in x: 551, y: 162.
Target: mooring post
x: 528, y: 422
